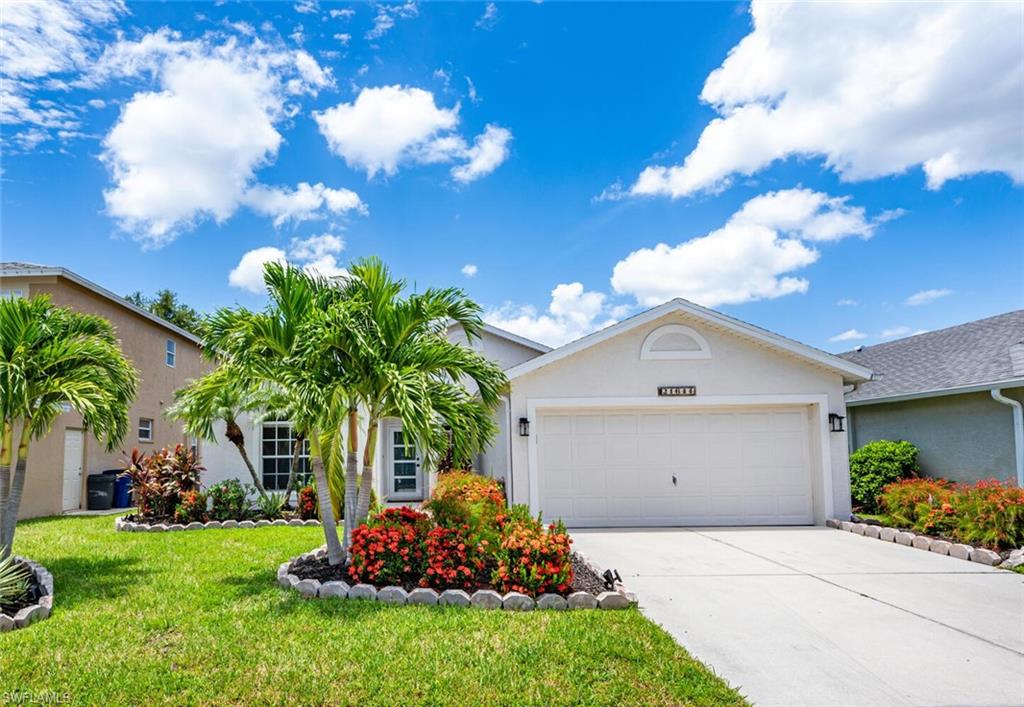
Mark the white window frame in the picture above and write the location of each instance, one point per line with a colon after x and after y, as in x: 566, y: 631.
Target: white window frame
x: 171, y: 353
x: 647, y: 353
x: 12, y: 294
x: 390, y: 447
x: 278, y: 425
x: 148, y: 428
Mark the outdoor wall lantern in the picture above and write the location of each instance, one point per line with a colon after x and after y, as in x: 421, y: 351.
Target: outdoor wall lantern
x: 836, y: 422
x: 524, y: 427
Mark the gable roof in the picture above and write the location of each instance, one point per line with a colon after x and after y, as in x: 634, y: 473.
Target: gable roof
x: 851, y: 372
x: 977, y: 355
x: 16, y: 269
x: 509, y: 336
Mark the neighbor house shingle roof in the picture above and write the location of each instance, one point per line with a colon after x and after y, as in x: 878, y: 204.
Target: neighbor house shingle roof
x: 978, y: 353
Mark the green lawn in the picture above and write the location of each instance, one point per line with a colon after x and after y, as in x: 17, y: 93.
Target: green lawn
x: 197, y: 617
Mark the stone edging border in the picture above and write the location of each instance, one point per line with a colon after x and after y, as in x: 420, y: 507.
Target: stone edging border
x: 884, y: 533
x: 480, y: 599
x: 35, y: 612
x: 126, y: 526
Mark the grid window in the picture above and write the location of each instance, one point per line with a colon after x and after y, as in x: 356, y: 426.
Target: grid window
x: 278, y: 444
x: 145, y: 429
x: 172, y: 352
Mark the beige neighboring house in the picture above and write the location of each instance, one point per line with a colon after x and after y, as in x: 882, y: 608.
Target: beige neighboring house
x: 165, y: 357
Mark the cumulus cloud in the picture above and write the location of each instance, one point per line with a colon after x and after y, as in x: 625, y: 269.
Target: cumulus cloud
x: 489, y: 19
x: 926, y: 296
x: 751, y: 257
x: 190, y: 150
x: 469, y: 270
x: 873, y: 88
x: 894, y: 332
x: 303, y: 203
x: 849, y: 335
x: 315, y: 254
x: 573, y: 312
x: 386, y: 16
x: 388, y: 126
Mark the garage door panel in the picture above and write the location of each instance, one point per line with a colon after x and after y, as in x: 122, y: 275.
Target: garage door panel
x: 615, y: 467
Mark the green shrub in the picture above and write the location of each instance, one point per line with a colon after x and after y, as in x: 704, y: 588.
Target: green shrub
x: 191, y: 508
x: 272, y: 505
x: 878, y: 464
x: 462, y: 498
x: 229, y: 500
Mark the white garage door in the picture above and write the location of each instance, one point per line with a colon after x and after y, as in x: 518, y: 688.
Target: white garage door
x: 654, y: 467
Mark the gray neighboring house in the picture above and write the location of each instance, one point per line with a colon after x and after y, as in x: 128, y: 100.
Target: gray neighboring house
x: 956, y: 393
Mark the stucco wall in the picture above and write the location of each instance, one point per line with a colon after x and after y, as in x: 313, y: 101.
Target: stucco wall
x: 143, y: 342
x: 736, y: 367
x: 961, y: 437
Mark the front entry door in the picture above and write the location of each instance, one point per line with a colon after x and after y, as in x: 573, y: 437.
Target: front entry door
x: 74, y: 444
x: 405, y: 476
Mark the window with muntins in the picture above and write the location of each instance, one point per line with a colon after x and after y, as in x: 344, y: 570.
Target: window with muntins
x: 172, y: 352
x: 278, y: 445
x: 145, y: 429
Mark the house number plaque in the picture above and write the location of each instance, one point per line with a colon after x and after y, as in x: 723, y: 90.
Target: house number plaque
x: 673, y: 391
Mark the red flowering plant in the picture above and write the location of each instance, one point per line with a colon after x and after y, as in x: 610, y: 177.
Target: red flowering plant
x: 191, y: 508
x: 390, y: 548
x: 532, y: 559
x: 462, y: 498
x: 921, y: 504
x: 455, y: 558
x: 990, y: 513
x: 308, y: 503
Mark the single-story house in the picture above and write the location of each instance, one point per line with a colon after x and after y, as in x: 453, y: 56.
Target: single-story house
x: 679, y: 415
x: 955, y: 393
x: 165, y: 356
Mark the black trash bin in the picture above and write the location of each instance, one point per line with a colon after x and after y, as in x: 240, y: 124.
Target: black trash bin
x: 101, y: 491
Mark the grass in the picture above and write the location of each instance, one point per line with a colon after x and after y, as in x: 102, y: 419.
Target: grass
x: 197, y: 618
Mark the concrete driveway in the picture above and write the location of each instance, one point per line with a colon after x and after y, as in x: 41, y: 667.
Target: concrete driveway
x: 815, y: 616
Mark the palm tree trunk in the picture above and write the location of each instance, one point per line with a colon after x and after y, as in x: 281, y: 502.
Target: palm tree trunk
x: 17, y: 487
x: 351, y: 470
x: 234, y: 434
x: 335, y: 552
x: 6, y: 442
x: 296, y: 460
x: 366, y: 483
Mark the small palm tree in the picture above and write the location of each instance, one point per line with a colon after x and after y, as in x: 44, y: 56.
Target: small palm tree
x: 218, y: 396
x: 51, y: 356
x: 390, y: 355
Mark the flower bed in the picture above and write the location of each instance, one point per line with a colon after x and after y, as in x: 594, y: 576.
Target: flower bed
x: 37, y: 603
x: 125, y: 525
x: 467, y: 547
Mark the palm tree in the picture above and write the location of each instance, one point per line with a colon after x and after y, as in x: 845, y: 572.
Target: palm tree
x: 220, y: 395
x: 51, y: 356
x: 391, y: 356
x: 259, y: 348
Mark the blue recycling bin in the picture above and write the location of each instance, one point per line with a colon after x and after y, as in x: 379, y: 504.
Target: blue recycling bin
x: 122, y: 488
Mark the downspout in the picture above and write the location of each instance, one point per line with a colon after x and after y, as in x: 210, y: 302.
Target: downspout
x: 1018, y: 431
x: 508, y: 449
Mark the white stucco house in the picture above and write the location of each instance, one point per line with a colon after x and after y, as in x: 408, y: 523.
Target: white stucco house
x: 679, y: 415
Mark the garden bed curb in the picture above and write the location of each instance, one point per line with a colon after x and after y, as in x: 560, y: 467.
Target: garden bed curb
x: 126, y: 526
x: 620, y: 598
x: 960, y: 551
x: 35, y: 612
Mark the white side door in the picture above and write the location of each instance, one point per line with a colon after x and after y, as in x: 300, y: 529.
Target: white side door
x: 74, y: 447
x: 404, y: 473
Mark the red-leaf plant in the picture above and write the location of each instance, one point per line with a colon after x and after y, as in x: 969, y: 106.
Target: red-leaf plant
x: 390, y: 548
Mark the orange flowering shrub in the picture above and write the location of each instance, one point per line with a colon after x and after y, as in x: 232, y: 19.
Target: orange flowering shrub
x: 532, y: 559
x: 390, y: 548
x: 454, y: 559
x: 987, y: 513
x: 462, y: 498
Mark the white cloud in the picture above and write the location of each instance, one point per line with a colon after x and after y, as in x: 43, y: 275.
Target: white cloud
x: 386, y: 16
x: 344, y: 38
x: 572, y: 313
x: 303, y: 203
x: 344, y: 13
x: 489, y: 150
x: 307, y: 7
x: 751, y: 257
x: 894, y: 332
x: 847, y: 302
x: 248, y: 274
x: 316, y: 254
x: 873, y: 88
x: 489, y: 19
x: 388, y: 126
x: 926, y: 296
x: 97, y: 103
x: 849, y: 335
x: 469, y: 270
x: 471, y: 91
x: 190, y: 150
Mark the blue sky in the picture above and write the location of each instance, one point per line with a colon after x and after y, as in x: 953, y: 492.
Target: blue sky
x: 839, y: 174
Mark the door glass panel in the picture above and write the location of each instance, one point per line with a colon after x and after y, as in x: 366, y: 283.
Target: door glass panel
x: 404, y: 466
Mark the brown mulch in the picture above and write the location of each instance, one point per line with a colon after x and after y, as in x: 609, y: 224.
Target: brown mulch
x: 28, y: 599
x: 584, y: 579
